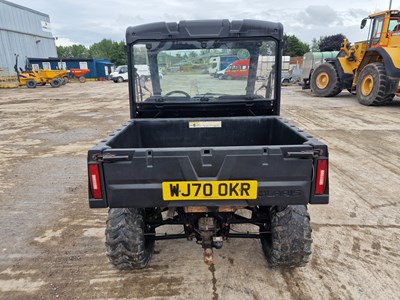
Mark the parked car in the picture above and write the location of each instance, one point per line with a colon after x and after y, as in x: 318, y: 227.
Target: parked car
x: 219, y: 63
x: 221, y: 73
x: 121, y: 73
x: 237, y: 70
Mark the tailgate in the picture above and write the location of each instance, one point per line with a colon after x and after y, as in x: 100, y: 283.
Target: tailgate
x: 135, y: 177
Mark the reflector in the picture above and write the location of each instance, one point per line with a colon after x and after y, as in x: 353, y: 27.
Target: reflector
x: 94, y: 180
x: 322, y: 175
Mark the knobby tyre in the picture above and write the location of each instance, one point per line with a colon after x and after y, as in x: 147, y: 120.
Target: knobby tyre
x: 289, y: 243
x: 127, y: 246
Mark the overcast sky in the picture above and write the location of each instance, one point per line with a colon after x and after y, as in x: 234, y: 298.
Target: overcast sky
x: 87, y: 22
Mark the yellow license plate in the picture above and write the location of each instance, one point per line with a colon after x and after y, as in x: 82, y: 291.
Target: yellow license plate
x: 210, y: 190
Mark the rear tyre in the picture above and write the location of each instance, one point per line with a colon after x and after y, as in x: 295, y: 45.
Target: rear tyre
x: 373, y: 85
x: 120, y: 79
x: 127, y: 246
x: 289, y: 243
x: 82, y: 79
x: 325, y: 81
x: 31, y: 84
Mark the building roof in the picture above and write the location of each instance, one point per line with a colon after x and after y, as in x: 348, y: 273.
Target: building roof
x: 69, y: 59
x: 25, y: 8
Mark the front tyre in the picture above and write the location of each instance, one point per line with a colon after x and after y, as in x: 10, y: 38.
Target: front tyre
x: 31, y: 84
x: 325, y: 80
x: 373, y: 85
x: 127, y: 246
x: 289, y: 243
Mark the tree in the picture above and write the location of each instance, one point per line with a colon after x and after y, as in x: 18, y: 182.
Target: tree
x: 293, y: 46
x: 106, y: 48
x: 267, y: 48
x: 64, y: 51
x: 331, y: 42
x: 77, y: 51
x: 114, y: 51
x: 314, y: 45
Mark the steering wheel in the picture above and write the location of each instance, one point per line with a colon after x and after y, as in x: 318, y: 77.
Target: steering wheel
x: 178, y: 92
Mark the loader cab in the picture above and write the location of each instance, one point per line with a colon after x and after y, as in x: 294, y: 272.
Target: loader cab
x: 384, y: 28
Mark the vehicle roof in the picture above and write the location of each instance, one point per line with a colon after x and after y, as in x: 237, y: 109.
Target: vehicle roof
x: 384, y: 12
x: 241, y: 61
x: 204, y: 29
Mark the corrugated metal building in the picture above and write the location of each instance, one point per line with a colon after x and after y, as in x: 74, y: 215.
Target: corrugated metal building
x: 25, y: 32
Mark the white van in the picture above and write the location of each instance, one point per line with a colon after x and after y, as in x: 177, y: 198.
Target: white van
x: 121, y: 73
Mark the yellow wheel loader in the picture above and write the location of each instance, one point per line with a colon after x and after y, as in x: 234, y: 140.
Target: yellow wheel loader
x: 370, y: 69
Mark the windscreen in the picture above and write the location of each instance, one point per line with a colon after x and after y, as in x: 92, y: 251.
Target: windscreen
x: 204, y: 70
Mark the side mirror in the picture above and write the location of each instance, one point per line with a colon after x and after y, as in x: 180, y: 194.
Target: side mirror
x: 363, y: 23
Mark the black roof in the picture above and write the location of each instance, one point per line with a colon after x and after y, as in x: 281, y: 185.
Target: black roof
x: 204, y: 29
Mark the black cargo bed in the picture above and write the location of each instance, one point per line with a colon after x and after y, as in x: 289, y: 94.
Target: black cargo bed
x: 218, y: 132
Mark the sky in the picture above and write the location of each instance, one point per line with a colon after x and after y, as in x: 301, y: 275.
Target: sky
x: 88, y: 22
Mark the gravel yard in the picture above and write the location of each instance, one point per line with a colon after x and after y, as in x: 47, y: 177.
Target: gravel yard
x: 52, y: 244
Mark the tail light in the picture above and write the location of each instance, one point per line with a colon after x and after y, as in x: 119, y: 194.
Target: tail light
x: 94, y: 180
x: 322, y: 176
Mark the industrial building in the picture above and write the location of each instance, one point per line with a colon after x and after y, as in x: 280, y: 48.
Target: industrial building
x: 24, y: 32
x: 99, y: 68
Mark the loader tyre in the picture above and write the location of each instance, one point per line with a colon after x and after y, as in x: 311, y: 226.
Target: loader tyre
x: 372, y: 85
x: 127, y: 246
x: 389, y: 98
x: 55, y: 83
x: 31, y: 84
x: 289, y: 243
x: 325, y: 81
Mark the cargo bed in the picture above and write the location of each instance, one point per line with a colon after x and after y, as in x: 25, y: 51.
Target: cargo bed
x: 144, y: 153
x: 220, y: 132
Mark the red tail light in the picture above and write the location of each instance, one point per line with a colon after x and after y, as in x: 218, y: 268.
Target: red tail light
x: 322, y: 176
x: 94, y: 180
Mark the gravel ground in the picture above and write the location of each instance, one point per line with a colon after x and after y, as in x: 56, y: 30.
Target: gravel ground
x: 52, y: 244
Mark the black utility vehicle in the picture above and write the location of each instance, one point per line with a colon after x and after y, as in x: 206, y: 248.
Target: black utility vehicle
x: 206, y: 154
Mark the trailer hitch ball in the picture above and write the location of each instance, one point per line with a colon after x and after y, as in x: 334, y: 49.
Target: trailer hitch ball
x: 208, y: 256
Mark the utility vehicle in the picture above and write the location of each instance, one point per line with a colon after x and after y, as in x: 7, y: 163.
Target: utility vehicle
x: 206, y: 155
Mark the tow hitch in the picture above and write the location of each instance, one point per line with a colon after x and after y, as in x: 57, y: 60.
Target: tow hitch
x: 207, y: 231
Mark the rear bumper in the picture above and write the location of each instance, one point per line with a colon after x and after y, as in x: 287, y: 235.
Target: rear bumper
x: 150, y: 195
